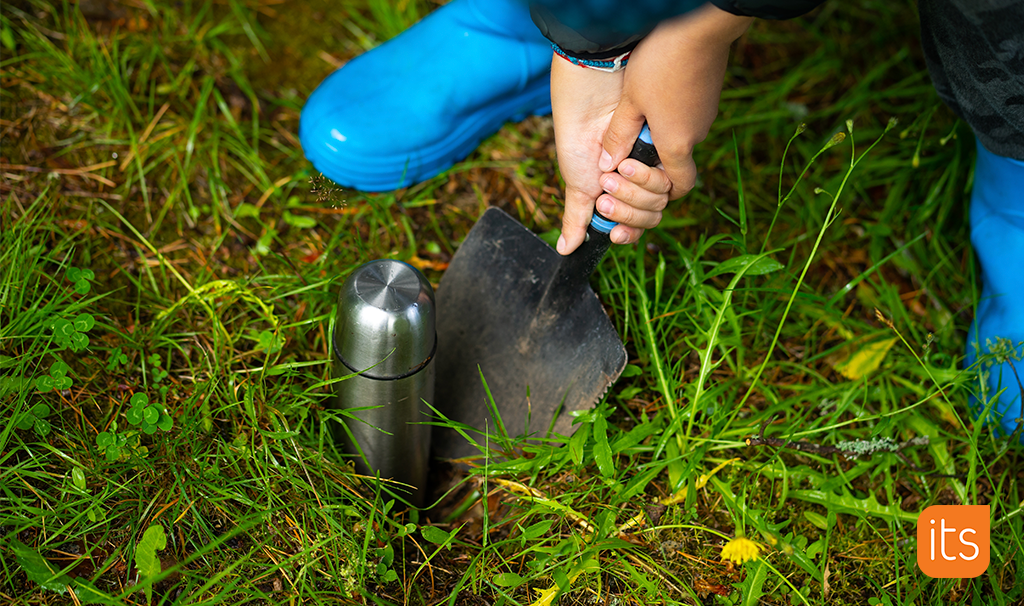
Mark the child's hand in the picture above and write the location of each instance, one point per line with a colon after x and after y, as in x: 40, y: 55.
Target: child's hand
x: 673, y: 82
x: 583, y: 101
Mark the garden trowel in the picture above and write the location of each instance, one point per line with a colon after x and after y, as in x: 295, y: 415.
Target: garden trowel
x: 519, y: 323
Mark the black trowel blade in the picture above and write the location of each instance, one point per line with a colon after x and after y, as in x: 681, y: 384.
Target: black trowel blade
x: 491, y: 320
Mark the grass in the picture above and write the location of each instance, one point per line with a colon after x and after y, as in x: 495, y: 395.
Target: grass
x: 798, y: 306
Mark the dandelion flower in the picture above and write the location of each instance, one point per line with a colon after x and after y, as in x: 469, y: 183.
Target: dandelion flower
x: 740, y: 550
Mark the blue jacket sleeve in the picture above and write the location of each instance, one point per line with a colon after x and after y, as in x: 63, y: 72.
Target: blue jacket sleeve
x: 768, y: 9
x: 597, y: 29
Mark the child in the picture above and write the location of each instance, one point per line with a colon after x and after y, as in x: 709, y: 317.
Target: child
x: 411, y: 108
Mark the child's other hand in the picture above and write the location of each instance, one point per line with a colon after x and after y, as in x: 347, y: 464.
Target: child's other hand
x: 673, y: 81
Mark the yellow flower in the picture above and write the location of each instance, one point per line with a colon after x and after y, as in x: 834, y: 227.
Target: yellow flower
x: 740, y: 550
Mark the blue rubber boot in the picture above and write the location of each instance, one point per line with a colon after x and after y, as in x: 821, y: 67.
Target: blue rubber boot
x: 997, y: 234
x: 410, y: 108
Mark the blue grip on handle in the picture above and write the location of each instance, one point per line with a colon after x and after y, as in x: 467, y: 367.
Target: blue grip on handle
x: 602, y: 224
x: 645, y: 135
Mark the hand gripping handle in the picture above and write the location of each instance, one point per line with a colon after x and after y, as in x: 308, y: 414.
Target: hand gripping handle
x: 643, y: 150
x: 572, y: 277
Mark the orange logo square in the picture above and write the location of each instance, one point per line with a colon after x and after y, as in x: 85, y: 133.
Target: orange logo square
x: 953, y: 541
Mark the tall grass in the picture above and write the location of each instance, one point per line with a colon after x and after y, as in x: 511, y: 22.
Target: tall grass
x: 795, y: 329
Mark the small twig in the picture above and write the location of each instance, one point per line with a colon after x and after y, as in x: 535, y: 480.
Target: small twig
x: 90, y: 194
x: 760, y: 440
x: 331, y: 59
x: 850, y: 449
x: 531, y: 205
x: 85, y: 171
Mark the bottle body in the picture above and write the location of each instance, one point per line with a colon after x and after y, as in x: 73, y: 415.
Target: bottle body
x: 398, y: 410
x: 383, y: 346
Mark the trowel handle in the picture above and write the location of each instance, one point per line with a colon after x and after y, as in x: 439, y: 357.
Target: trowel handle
x: 643, y: 150
x: 572, y: 278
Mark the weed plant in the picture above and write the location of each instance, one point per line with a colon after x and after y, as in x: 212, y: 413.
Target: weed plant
x: 168, y: 267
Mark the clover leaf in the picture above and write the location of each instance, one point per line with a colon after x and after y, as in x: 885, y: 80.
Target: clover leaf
x: 80, y: 278
x: 35, y: 417
x: 63, y: 329
x: 56, y: 380
x: 149, y: 417
x: 166, y: 422
x: 71, y: 333
x: 134, y: 416
x: 84, y: 322
x: 59, y: 371
x: 117, y: 357
x: 269, y: 342
x: 111, y: 444
x: 79, y: 342
x: 44, y: 383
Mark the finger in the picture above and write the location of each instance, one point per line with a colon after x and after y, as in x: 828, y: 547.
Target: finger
x: 579, y: 208
x: 622, y: 132
x: 652, y: 196
x: 651, y: 178
x: 682, y: 173
x: 624, y: 214
x: 623, y: 234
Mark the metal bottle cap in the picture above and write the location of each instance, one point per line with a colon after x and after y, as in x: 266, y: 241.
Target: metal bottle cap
x: 385, y: 321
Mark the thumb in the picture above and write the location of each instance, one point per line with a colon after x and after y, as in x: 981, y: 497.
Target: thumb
x: 625, y: 126
x: 579, y: 208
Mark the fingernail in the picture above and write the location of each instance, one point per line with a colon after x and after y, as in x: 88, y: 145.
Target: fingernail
x: 605, y: 163
x: 619, y: 238
x: 560, y: 247
x: 609, y: 185
x: 627, y: 170
x: 605, y: 206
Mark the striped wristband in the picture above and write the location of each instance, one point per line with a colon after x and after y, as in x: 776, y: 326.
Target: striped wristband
x: 612, y: 64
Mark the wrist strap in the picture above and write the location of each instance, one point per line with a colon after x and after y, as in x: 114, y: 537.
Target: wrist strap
x: 612, y: 64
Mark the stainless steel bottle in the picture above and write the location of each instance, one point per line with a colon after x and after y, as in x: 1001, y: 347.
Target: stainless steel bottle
x: 384, y: 331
